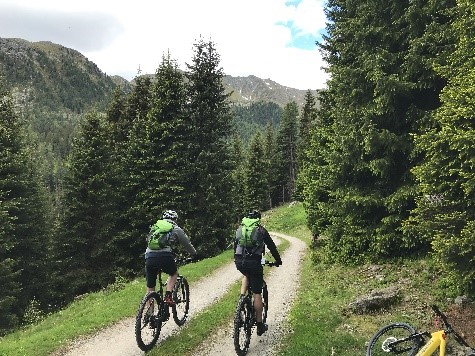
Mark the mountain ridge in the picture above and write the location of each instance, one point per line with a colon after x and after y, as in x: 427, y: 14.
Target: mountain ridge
x: 53, y: 77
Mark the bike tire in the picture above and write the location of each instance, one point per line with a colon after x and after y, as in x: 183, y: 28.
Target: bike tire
x: 265, y: 302
x: 181, y: 296
x: 380, y: 343
x: 148, y: 323
x: 243, y: 323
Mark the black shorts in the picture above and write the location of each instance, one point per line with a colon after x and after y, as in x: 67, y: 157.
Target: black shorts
x: 164, y: 261
x: 251, y: 267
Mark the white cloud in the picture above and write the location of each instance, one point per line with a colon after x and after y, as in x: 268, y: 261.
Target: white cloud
x: 246, y: 33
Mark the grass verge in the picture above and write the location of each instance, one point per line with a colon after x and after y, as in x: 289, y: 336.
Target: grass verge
x: 92, y: 313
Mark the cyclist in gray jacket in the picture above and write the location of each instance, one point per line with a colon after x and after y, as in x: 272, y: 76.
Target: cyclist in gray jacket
x: 163, y: 258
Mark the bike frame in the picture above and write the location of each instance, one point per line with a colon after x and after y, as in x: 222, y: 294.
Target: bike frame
x: 437, y: 341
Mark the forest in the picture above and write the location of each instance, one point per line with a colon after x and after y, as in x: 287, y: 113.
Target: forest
x: 384, y: 164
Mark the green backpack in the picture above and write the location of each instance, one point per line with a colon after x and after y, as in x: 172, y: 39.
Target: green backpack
x: 159, y: 235
x: 248, y: 233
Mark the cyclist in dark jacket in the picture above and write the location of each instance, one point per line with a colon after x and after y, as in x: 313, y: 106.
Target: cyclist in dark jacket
x: 164, y: 258
x: 248, y: 262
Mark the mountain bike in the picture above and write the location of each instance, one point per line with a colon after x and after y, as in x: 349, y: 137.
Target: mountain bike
x: 404, y: 339
x: 245, y: 316
x: 153, y: 311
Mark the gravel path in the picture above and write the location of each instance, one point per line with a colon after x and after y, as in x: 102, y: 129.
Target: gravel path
x: 119, y: 340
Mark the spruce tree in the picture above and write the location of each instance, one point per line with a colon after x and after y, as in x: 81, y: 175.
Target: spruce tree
x: 307, y: 119
x: 238, y: 176
x: 84, y: 240
x: 374, y: 101
x: 25, y: 229
x: 445, y: 215
x: 255, y: 173
x: 211, y: 209
x: 287, y: 150
x: 157, y: 156
x: 126, y: 113
x: 272, y: 166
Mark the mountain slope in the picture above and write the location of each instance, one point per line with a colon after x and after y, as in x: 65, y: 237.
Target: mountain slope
x: 252, y: 89
x: 52, y: 77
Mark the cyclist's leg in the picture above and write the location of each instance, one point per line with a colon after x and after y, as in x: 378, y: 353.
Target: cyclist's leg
x: 256, y: 279
x: 151, y: 270
x: 241, y: 267
x: 244, y: 282
x: 171, y: 281
x: 169, y: 267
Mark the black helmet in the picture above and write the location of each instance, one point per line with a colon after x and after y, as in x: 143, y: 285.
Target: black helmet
x: 254, y: 214
x: 170, y: 215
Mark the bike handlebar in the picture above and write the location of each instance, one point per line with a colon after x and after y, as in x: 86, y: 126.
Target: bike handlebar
x: 271, y: 264
x: 184, y: 261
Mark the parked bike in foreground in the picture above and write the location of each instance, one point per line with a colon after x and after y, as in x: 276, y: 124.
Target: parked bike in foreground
x: 404, y: 339
x: 245, y: 317
x: 153, y: 311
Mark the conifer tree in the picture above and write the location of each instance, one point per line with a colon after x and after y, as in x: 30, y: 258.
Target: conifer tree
x: 238, y: 176
x: 375, y: 99
x: 445, y: 214
x: 126, y: 112
x: 272, y: 165
x: 287, y: 150
x: 306, y: 120
x: 157, y: 154
x: 211, y: 210
x: 25, y: 229
x: 84, y: 240
x: 255, y: 173
x: 9, y: 269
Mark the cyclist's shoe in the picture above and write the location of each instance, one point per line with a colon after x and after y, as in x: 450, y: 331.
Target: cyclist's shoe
x: 261, y: 328
x: 169, y: 300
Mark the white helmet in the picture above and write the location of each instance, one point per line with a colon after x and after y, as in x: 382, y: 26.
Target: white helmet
x: 170, y: 215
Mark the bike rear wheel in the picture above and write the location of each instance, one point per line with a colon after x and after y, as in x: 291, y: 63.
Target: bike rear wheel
x: 148, y: 323
x: 181, y: 296
x: 243, y: 323
x: 385, y: 341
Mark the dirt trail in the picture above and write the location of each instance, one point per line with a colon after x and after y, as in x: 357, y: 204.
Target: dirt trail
x: 119, y: 340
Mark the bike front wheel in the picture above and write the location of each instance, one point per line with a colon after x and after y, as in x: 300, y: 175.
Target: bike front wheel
x: 181, y: 296
x: 148, y: 323
x: 243, y: 323
x: 265, y: 302
x: 394, y: 339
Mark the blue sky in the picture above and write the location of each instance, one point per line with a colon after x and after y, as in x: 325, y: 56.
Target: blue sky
x: 271, y: 39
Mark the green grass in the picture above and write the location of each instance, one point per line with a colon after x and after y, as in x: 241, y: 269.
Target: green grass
x: 289, y: 219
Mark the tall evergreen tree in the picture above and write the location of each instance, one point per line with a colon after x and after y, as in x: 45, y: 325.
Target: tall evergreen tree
x: 307, y: 118
x: 24, y: 235
x: 237, y: 176
x: 126, y: 113
x: 375, y: 100
x: 272, y: 165
x: 157, y: 155
x: 255, y: 173
x: 84, y: 247
x: 211, y: 211
x: 287, y: 150
x: 315, y: 182
x: 445, y: 212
